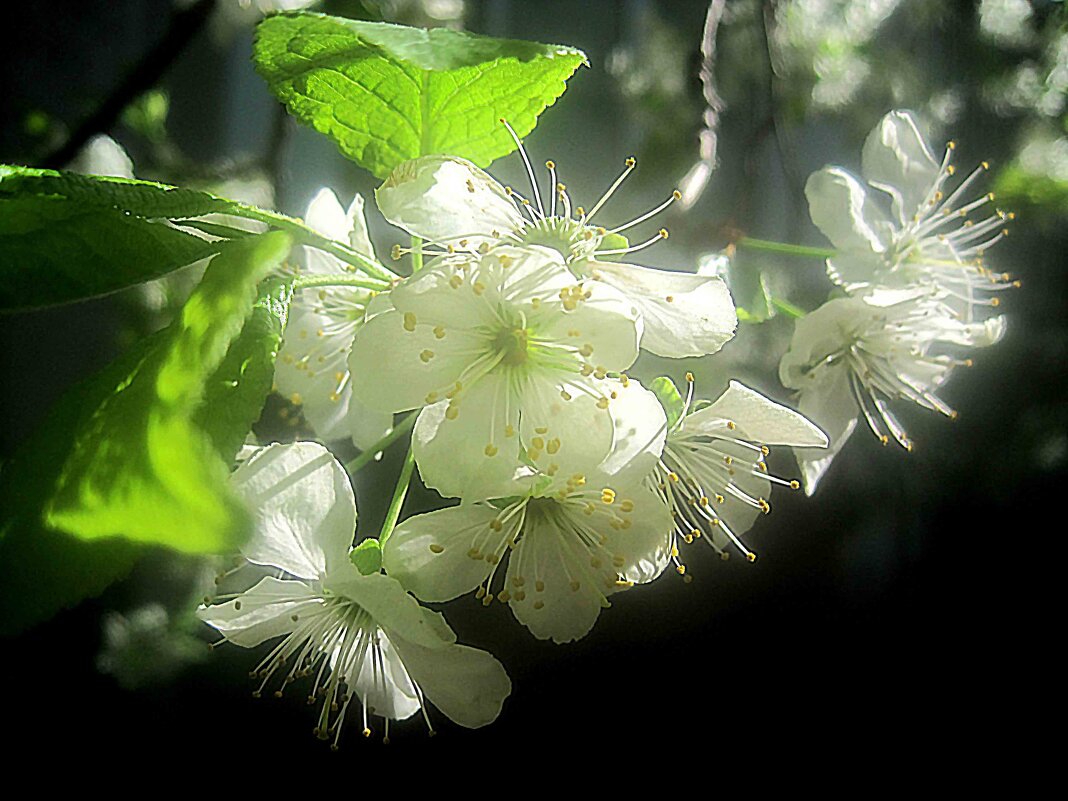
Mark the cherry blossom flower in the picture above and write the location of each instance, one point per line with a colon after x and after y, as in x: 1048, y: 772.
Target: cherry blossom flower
x: 358, y: 638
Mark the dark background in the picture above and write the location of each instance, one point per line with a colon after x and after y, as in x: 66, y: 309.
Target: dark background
x: 899, y: 615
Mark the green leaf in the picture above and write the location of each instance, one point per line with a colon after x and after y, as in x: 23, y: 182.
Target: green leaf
x: 367, y: 556
x: 140, y: 468
x: 668, y: 394
x: 55, y: 251
x: 234, y: 395
x: 146, y: 199
x: 49, y: 570
x: 387, y: 93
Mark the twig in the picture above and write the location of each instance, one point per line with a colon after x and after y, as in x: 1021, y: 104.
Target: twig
x: 184, y: 25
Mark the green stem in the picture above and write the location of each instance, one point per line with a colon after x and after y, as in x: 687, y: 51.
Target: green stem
x: 336, y: 279
x: 399, y: 430
x: 417, y: 254
x: 307, y: 236
x: 399, y: 494
x: 787, y: 308
x: 786, y: 249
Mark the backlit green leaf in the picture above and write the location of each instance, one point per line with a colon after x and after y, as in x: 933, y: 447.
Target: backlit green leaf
x: 388, y: 93
x: 140, y: 467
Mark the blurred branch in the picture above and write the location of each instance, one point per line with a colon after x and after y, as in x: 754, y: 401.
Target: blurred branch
x: 782, y: 143
x: 184, y: 25
x: 695, y: 181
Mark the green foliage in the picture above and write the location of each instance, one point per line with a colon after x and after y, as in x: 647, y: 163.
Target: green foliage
x: 55, y: 251
x: 388, y: 93
x: 668, y: 394
x: 234, y: 395
x: 55, y: 570
x: 367, y: 556
x: 1017, y: 186
x: 140, y: 468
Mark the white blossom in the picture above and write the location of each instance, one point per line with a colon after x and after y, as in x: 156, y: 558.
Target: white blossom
x: 458, y: 206
x: 908, y: 226
x: 713, y: 472
x: 358, y: 638
x: 852, y: 356
x: 312, y: 368
x: 565, y: 541
x: 505, y: 350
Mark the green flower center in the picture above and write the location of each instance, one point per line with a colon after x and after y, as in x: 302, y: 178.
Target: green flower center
x: 513, y: 343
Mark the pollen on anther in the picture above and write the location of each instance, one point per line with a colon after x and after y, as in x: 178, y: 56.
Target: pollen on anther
x: 490, y: 450
x: 409, y: 321
x: 436, y: 548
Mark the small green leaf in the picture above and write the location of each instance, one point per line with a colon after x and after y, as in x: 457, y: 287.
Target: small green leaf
x: 55, y: 251
x: 367, y: 556
x: 234, y: 395
x: 388, y: 93
x: 140, y: 468
x: 668, y: 394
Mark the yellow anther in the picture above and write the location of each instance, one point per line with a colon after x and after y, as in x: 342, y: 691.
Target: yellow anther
x: 539, y: 586
x: 431, y: 397
x: 673, y: 476
x: 296, y: 399
x: 539, y: 604
x: 750, y: 556
x: 731, y: 425
x: 951, y: 169
x: 435, y: 548
x: 550, y: 165
x: 496, y: 524
x: 439, y: 331
x: 553, y: 446
x: 509, y: 430
x: 689, y: 378
x: 451, y: 413
x: 681, y: 570
x: 475, y: 553
x: 455, y: 281
x: 409, y: 321
x: 395, y: 252
x: 795, y: 484
x: 537, y: 443
x: 985, y: 165
x: 720, y: 498
x: 574, y: 585
x: 602, y: 403
x: 565, y: 394
x: 490, y: 450
x: 631, y: 162
x: 608, y: 495
x: 704, y: 500
x: 426, y: 355
x: 670, y: 298
x: 627, y: 506
x: 663, y: 233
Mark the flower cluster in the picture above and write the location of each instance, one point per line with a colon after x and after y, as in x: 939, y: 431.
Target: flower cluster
x: 910, y: 262
x: 511, y: 343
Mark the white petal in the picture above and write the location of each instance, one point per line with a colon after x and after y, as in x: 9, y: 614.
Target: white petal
x: 446, y: 199
x: 102, y: 155
x: 463, y: 448
x: 263, y: 612
x: 385, y: 600
x: 326, y: 216
x: 608, y: 322
x: 382, y: 685
x: 853, y: 270
x: 389, y: 371
x: 682, y: 314
x: 574, y: 435
x: 430, y: 553
x: 467, y: 685
x: 645, y: 544
x: 830, y: 405
x: 358, y: 237
x: 758, y: 418
x: 436, y: 298
x: 571, y: 592
x: 897, y: 160
x: 639, y: 427
x: 842, y: 208
x: 303, y: 506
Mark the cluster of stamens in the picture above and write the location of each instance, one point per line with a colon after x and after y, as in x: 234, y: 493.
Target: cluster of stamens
x: 698, y: 473
x: 942, y: 223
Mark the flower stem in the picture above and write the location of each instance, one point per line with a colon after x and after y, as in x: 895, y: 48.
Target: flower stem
x: 337, y: 279
x: 399, y: 430
x: 417, y: 254
x: 305, y: 235
x: 399, y: 494
x: 787, y: 308
x: 786, y: 249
